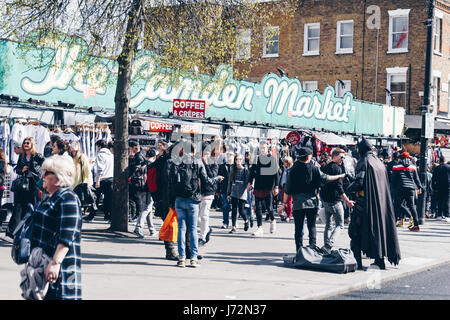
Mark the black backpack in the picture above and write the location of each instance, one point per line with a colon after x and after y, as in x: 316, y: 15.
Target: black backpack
x: 139, y: 177
x: 136, y: 128
x: 186, y: 182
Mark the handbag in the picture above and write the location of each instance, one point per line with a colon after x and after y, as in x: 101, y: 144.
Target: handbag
x: 21, y: 247
x: 86, y: 195
x: 21, y: 184
x: 169, y: 229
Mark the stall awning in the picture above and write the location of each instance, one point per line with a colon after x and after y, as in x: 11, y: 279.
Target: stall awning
x: 415, y: 122
x: 333, y: 139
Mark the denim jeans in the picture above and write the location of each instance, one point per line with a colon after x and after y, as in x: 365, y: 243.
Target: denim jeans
x: 225, y: 209
x: 187, y: 214
x: 203, y: 215
x: 146, y: 213
x: 299, y: 221
x: 237, y: 204
x: 106, y: 187
x: 405, y: 203
x: 443, y: 205
x: 264, y: 205
x: 335, y: 210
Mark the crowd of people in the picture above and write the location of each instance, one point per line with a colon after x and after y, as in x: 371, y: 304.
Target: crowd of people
x: 293, y: 184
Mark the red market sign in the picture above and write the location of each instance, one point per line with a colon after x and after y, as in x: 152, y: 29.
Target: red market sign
x: 293, y: 138
x: 193, y: 109
x: 160, y: 127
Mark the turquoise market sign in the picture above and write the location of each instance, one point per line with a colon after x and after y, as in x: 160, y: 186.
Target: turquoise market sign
x: 277, y: 100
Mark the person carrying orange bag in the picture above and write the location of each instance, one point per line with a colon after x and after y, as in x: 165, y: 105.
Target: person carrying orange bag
x: 169, y: 229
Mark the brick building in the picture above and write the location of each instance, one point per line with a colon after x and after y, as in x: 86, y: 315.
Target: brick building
x: 375, y: 49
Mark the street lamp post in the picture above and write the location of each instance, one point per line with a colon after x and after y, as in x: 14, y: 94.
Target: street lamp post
x: 425, y: 109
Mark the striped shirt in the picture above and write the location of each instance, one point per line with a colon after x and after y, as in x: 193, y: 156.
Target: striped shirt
x: 57, y: 219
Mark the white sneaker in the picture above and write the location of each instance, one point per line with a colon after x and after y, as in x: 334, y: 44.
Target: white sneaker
x: 443, y: 218
x: 258, y: 232
x: 447, y: 219
x: 273, y: 226
x: 139, y: 233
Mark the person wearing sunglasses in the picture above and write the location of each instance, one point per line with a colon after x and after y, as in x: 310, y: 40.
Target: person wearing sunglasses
x: 28, y: 166
x: 57, y: 229
x: 333, y: 197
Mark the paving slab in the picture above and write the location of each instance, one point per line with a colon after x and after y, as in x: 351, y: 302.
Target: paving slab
x: 120, y: 266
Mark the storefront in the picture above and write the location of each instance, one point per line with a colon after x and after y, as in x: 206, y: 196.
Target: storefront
x: 267, y: 108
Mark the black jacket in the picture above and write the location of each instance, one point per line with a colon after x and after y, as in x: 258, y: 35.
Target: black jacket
x: 405, y: 176
x: 441, y: 178
x: 161, y: 179
x: 332, y: 191
x: 135, y: 162
x: 201, y: 174
x: 266, y: 176
x: 224, y: 171
x: 2, y: 173
x: 34, y: 167
x: 209, y: 189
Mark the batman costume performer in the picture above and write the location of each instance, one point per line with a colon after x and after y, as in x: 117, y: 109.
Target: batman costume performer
x: 372, y: 226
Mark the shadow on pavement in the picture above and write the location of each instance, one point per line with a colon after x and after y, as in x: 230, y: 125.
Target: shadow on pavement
x: 248, y: 258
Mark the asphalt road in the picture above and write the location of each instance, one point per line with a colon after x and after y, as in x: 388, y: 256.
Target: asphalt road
x: 432, y: 284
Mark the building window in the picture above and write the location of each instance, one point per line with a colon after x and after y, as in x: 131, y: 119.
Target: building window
x: 438, y: 36
x: 344, y: 40
x: 271, y: 42
x: 396, y: 84
x: 398, y: 31
x: 436, y: 94
x: 311, y: 39
x: 243, y: 47
x: 309, y: 86
x: 342, y: 87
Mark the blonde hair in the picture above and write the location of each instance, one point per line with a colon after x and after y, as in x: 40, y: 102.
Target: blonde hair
x: 33, y: 146
x: 289, y: 161
x: 63, y: 167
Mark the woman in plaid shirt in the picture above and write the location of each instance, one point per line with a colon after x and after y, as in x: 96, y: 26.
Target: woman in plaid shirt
x: 57, y: 229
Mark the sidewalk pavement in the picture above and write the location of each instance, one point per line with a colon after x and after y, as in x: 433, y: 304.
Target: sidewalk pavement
x: 120, y: 266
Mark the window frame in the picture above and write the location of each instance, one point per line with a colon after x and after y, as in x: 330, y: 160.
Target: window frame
x: 271, y: 55
x: 307, y: 52
x: 337, y: 85
x: 399, y: 13
x: 340, y: 50
x: 310, y: 82
x: 396, y: 72
x: 438, y: 18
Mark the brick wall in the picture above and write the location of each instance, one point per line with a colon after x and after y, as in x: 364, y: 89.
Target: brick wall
x: 329, y: 66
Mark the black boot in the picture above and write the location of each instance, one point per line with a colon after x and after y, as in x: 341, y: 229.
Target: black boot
x: 380, y: 263
x: 357, y: 255
x: 171, y: 253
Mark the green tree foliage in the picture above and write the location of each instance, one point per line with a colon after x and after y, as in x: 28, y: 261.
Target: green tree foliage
x: 190, y: 36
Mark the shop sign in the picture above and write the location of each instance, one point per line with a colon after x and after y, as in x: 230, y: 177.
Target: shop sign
x: 191, y: 128
x: 160, y: 127
x: 276, y: 100
x: 190, y: 109
x: 293, y: 138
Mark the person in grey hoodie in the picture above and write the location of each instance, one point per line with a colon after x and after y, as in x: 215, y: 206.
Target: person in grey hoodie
x: 237, y: 191
x: 104, y: 168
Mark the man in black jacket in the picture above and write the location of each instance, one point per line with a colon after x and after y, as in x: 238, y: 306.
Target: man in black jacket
x: 405, y: 181
x: 333, y: 194
x: 208, y: 191
x: 186, y: 174
x: 224, y: 171
x: 265, y: 175
x: 137, y: 167
x: 441, y: 188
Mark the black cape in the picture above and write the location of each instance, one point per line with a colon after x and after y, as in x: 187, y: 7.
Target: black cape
x: 379, y: 234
